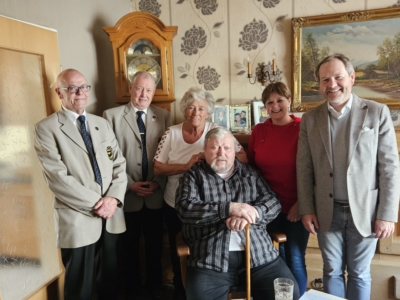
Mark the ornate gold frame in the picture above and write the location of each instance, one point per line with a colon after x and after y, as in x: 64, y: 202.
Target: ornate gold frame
x: 299, y: 23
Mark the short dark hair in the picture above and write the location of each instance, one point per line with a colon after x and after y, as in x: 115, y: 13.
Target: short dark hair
x: 275, y: 88
x: 347, y: 64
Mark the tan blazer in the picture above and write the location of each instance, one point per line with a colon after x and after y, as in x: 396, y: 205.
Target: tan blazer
x: 372, y: 172
x: 123, y: 122
x: 69, y: 175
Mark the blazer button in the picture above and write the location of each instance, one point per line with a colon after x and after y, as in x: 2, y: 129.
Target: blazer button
x: 330, y: 195
x: 330, y: 174
x: 139, y: 164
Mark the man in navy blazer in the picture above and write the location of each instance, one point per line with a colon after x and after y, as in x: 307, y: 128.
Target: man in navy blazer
x: 347, y: 178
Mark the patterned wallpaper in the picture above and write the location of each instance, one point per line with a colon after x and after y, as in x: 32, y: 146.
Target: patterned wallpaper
x: 217, y: 37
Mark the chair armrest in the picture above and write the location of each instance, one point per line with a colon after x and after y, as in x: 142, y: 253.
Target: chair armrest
x: 277, y: 237
x: 182, y: 249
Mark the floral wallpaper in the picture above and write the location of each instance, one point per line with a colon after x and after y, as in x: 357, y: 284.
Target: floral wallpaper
x: 217, y: 38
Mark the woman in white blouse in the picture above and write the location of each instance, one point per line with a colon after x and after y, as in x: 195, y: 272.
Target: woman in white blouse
x: 179, y: 149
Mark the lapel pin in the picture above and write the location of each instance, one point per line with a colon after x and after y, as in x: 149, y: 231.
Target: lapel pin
x: 97, y: 128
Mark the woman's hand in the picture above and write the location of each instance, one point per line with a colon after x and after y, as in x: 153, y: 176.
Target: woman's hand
x: 293, y: 215
x: 195, y: 159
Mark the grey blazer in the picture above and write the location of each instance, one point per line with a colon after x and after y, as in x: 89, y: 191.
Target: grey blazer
x: 123, y: 122
x: 69, y: 175
x: 372, y: 172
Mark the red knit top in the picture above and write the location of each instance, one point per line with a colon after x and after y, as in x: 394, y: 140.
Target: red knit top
x: 272, y: 149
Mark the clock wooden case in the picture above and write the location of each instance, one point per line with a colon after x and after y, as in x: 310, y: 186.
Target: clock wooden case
x: 141, y: 42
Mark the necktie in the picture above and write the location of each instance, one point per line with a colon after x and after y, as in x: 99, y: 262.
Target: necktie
x: 142, y: 130
x: 89, y: 146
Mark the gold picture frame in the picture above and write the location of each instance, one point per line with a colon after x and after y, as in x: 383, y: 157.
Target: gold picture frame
x: 327, y: 34
x: 240, y: 117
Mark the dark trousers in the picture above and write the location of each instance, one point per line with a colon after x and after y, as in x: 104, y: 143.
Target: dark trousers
x: 206, y: 284
x: 92, y: 264
x: 150, y: 222
x: 174, y: 226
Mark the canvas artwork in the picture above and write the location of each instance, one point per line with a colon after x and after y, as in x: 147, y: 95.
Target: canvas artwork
x: 370, y: 39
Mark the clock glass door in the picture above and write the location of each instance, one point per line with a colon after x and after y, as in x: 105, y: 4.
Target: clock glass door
x: 142, y: 55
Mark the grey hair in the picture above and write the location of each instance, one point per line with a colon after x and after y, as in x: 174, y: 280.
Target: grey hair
x: 197, y: 94
x: 347, y: 64
x: 216, y: 132
x: 144, y: 74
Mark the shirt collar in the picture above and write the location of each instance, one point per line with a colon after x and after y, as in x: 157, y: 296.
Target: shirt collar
x: 73, y: 116
x: 136, y: 109
x: 344, y: 111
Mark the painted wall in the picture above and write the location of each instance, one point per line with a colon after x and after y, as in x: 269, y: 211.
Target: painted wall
x: 83, y: 44
x: 209, y: 50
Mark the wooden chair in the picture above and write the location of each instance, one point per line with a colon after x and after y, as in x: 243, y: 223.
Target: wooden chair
x: 236, y: 292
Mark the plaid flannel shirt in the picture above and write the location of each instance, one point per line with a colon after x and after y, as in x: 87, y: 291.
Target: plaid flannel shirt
x: 203, y: 201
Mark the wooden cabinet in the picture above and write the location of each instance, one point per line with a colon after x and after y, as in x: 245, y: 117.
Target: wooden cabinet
x: 141, y: 42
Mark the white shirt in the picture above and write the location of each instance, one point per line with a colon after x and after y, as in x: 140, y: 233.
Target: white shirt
x: 143, y: 115
x: 73, y: 116
x: 344, y: 111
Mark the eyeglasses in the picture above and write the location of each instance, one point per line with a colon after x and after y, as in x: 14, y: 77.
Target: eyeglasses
x: 74, y: 89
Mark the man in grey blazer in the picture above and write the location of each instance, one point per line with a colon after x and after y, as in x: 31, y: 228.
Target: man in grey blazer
x: 144, y: 196
x: 85, y: 170
x: 347, y: 178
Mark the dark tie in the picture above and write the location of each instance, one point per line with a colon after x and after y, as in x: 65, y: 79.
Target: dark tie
x: 142, y: 130
x: 89, y: 146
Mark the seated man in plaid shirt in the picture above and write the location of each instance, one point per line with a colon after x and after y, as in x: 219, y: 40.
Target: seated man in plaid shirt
x: 215, y: 200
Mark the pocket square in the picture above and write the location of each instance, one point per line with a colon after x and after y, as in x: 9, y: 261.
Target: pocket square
x: 365, y: 128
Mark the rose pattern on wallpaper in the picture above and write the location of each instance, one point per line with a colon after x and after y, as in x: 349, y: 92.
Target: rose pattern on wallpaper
x: 254, y: 35
x: 209, y: 77
x: 270, y: 3
x: 207, y: 6
x: 150, y: 6
x: 396, y: 4
x: 195, y: 42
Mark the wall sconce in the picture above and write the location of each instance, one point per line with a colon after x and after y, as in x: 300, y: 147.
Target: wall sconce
x: 262, y: 74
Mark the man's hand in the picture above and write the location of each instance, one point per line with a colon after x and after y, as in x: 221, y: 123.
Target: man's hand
x: 383, y: 229
x: 235, y: 223
x: 245, y: 211
x: 144, y: 188
x: 106, y: 207
x: 310, y: 222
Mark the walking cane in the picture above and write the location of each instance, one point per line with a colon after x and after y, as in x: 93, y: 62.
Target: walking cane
x: 248, y: 281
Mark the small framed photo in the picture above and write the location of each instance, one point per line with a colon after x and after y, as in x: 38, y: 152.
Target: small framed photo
x: 240, y: 117
x: 260, y: 113
x: 221, y: 115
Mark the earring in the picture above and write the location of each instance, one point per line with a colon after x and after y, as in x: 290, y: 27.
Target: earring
x: 288, y: 108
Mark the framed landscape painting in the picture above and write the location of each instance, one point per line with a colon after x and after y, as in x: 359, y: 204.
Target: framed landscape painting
x: 370, y: 39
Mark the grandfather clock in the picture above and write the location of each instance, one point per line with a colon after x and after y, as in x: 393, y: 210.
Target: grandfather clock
x: 141, y: 42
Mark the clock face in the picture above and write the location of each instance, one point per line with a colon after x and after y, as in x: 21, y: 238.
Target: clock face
x: 144, y: 63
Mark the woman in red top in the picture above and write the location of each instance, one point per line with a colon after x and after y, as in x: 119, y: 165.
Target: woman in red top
x: 272, y: 149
